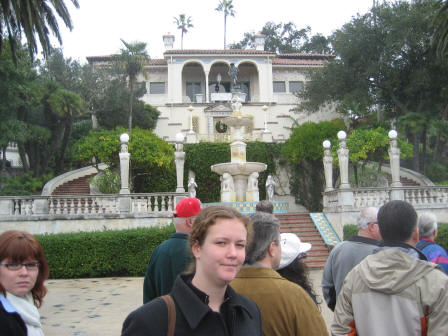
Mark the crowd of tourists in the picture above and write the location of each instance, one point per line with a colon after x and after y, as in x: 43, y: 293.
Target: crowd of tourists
x: 225, y: 273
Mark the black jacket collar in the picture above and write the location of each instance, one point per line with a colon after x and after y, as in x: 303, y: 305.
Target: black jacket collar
x: 186, y: 299
x: 365, y: 240
x: 421, y: 256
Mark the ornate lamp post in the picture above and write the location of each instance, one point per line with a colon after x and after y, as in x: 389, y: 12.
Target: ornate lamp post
x: 179, y: 159
x: 124, y: 163
x: 328, y: 165
x: 190, y: 108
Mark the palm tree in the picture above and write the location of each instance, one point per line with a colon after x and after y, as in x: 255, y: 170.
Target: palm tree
x: 183, y: 23
x: 33, y: 18
x: 226, y: 7
x: 440, y: 35
x: 130, y: 62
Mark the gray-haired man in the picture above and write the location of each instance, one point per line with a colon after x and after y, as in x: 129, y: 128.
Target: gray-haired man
x: 350, y: 253
x: 286, y: 308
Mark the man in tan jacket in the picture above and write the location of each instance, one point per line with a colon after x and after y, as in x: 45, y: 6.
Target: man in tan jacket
x: 286, y: 309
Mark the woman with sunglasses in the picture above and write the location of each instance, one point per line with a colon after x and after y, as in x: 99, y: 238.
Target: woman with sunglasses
x: 23, y: 270
x: 204, y: 303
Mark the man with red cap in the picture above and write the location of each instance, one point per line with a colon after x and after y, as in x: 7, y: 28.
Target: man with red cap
x: 171, y: 257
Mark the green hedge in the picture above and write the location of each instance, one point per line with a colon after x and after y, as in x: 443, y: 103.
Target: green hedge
x: 442, y: 238
x: 101, y: 254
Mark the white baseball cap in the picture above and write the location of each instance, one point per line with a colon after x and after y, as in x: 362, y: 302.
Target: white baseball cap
x: 291, y: 248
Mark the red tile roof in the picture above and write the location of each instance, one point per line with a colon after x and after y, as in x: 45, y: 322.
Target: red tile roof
x: 108, y: 58
x: 292, y: 61
x: 217, y: 51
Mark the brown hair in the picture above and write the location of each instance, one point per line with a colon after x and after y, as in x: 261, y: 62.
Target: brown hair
x: 18, y: 246
x: 207, y: 218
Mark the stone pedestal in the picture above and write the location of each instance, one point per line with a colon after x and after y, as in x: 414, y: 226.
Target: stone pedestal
x: 124, y: 164
x: 179, y: 159
x: 252, y: 196
x: 343, y: 160
x: 124, y: 204
x: 228, y: 196
x: 40, y: 206
x: 6, y: 207
x: 328, y: 166
x: 238, y: 151
x: 191, y: 138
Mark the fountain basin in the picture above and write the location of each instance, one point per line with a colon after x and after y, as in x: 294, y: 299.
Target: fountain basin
x: 240, y: 173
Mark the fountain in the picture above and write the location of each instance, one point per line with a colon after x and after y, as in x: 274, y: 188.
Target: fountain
x: 239, y: 179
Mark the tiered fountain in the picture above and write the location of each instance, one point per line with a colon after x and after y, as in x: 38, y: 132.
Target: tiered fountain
x: 239, y: 179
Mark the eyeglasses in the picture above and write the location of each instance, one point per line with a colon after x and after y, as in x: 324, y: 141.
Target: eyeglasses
x: 31, y: 266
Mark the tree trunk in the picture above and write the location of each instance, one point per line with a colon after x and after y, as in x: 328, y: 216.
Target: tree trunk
x: 424, y: 144
x: 416, y: 158
x: 65, y: 141
x: 131, y: 100
x: 22, y: 154
x: 225, y: 24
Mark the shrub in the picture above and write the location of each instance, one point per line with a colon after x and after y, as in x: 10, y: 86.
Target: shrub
x: 101, y: 254
x: 108, y: 182
x: 350, y: 230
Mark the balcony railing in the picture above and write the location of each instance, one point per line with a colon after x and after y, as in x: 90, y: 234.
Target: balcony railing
x: 87, y: 206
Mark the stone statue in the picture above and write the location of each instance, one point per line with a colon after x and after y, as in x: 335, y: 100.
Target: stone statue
x: 233, y: 73
x: 227, y: 182
x: 252, y: 182
x: 270, y: 184
x: 192, y: 187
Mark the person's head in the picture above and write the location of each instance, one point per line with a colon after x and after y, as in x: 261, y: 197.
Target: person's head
x: 367, y: 223
x: 292, y: 248
x: 265, y: 206
x: 24, y: 267
x: 398, y: 222
x: 186, y: 211
x: 427, y: 225
x: 218, y: 243
x: 265, y: 246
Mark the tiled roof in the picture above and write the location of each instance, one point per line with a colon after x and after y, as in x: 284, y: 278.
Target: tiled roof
x: 292, y: 61
x: 217, y: 52
x: 304, y: 56
x: 108, y: 58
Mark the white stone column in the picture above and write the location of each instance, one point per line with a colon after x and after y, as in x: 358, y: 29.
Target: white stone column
x: 267, y: 135
x: 191, y: 134
x: 124, y: 164
x: 343, y: 160
x: 394, y: 157
x: 345, y: 195
x: 179, y: 159
x: 207, y: 95
x: 328, y: 165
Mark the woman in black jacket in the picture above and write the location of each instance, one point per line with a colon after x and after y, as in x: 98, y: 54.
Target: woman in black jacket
x: 204, y: 302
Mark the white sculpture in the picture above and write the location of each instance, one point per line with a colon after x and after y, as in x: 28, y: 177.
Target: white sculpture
x: 192, y: 187
x: 252, y: 182
x: 227, y: 182
x: 270, y: 185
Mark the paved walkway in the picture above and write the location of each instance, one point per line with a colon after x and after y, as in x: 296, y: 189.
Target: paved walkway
x: 98, y: 307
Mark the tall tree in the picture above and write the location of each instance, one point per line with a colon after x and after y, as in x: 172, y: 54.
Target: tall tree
x: 183, y: 23
x: 32, y: 18
x: 130, y: 62
x: 226, y: 7
x: 383, y: 65
x: 440, y: 35
x: 286, y: 38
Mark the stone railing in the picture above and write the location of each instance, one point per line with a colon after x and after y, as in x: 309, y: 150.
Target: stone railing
x: 87, y: 206
x: 419, y: 197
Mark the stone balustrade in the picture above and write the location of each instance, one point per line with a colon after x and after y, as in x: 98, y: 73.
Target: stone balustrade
x: 87, y: 206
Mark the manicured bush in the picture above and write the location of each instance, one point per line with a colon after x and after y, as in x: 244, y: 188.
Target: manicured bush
x: 101, y: 254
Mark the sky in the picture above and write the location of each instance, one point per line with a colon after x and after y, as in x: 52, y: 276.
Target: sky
x: 100, y: 24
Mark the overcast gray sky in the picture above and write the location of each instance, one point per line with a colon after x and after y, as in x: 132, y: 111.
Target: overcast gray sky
x: 99, y: 24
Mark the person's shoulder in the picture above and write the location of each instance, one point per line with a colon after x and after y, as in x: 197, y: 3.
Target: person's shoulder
x: 148, y: 317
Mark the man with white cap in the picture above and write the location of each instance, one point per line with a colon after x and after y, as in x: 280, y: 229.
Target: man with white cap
x: 171, y: 258
x: 350, y: 253
x: 291, y: 265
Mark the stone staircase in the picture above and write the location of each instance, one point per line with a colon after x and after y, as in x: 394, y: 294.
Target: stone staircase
x: 404, y: 181
x: 301, y: 224
x: 79, y: 186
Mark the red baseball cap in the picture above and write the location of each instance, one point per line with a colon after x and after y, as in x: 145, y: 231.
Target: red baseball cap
x: 188, y: 207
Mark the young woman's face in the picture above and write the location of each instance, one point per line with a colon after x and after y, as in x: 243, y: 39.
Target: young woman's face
x: 21, y: 281
x: 222, y: 254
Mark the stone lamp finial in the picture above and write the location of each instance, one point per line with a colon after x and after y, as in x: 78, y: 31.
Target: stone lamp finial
x: 124, y: 138
x: 393, y: 134
x: 180, y: 137
x: 326, y: 144
x: 342, y: 135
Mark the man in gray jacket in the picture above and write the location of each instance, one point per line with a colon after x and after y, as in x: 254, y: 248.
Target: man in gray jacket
x: 394, y: 291
x: 349, y: 253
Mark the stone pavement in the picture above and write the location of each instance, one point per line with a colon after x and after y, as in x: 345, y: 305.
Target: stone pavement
x: 98, y: 307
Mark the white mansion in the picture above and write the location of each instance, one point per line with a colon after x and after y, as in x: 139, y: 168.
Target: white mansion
x: 191, y: 89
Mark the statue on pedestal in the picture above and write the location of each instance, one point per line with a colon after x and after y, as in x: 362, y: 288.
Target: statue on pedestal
x: 192, y: 187
x: 233, y: 74
x: 270, y: 185
x: 227, y: 182
x: 252, y: 182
